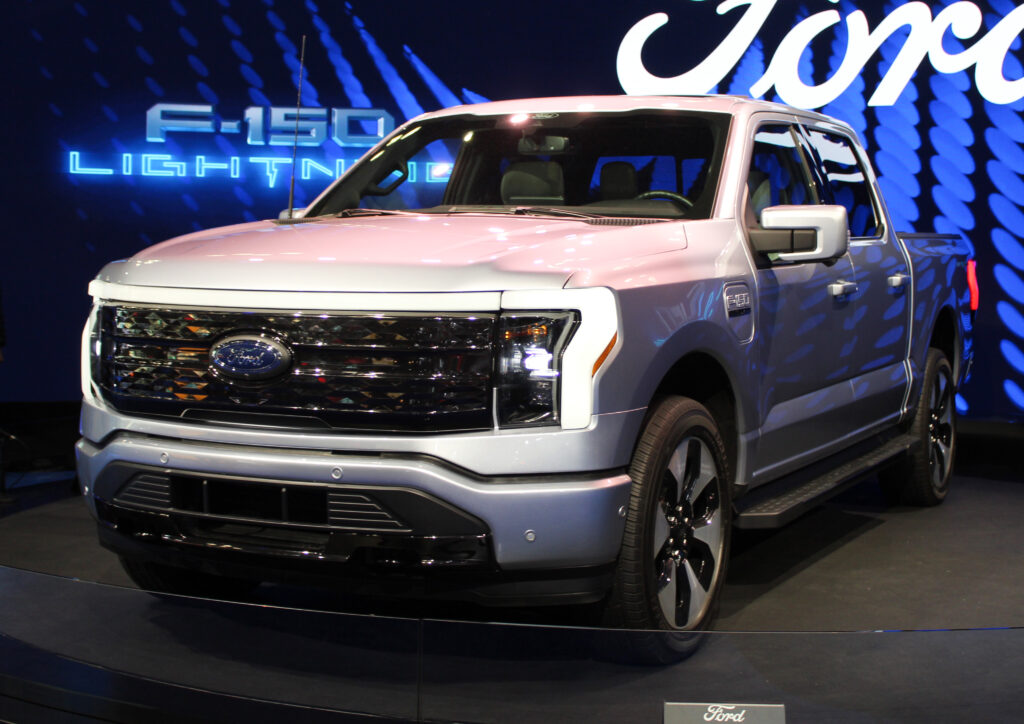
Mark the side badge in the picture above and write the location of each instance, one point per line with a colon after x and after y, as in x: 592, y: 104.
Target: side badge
x: 739, y: 308
x: 737, y: 300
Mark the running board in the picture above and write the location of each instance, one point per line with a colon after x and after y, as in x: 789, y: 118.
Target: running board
x: 788, y: 499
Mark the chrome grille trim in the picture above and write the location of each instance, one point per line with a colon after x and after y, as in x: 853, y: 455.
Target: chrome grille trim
x: 394, y: 371
x: 364, y: 330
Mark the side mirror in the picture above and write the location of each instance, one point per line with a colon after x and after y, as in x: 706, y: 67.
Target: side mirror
x: 396, y: 175
x: 802, y: 233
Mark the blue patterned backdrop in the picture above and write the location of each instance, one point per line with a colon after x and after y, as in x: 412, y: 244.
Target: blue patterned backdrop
x: 90, y: 179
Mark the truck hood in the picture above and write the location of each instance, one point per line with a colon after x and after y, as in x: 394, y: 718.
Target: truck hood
x: 407, y: 253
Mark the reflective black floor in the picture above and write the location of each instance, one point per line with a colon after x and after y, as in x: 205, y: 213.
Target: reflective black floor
x: 116, y: 654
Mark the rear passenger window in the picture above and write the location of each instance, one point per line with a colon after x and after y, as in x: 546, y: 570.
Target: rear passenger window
x: 846, y: 181
x: 778, y: 173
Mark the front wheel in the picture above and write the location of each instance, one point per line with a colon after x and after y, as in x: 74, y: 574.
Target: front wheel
x: 923, y: 476
x: 676, y: 542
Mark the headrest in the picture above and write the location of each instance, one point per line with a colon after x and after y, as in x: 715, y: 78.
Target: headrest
x: 618, y: 181
x: 533, y: 182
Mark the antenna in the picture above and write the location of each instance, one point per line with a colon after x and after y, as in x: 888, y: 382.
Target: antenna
x: 295, y: 141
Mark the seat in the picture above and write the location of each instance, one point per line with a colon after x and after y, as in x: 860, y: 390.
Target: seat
x: 618, y: 181
x: 533, y: 182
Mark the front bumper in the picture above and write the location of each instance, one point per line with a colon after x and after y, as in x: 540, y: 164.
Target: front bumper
x: 528, y: 523
x: 605, y: 445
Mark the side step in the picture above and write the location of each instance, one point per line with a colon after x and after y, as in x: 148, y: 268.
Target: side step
x: 779, y: 503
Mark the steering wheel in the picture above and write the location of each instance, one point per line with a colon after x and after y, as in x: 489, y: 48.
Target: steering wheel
x: 678, y: 199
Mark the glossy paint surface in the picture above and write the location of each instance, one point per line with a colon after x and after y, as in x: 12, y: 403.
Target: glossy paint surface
x: 407, y: 253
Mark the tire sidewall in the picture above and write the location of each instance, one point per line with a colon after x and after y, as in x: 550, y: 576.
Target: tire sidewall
x: 674, y: 419
x: 936, y: 365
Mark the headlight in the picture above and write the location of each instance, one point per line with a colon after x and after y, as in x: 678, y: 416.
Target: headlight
x: 95, y: 342
x: 530, y: 348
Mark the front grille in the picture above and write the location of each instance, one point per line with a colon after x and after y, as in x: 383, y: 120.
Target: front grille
x: 396, y: 371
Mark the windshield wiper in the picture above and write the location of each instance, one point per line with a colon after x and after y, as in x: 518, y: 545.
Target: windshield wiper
x: 552, y: 211
x: 488, y: 209
x: 346, y: 213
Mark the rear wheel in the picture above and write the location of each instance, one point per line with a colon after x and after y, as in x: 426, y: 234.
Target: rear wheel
x: 676, y: 542
x: 159, y: 578
x: 923, y: 476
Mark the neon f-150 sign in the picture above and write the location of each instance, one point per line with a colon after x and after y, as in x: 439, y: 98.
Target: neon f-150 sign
x: 347, y: 128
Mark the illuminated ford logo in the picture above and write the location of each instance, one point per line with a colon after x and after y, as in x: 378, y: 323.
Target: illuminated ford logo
x: 249, y: 357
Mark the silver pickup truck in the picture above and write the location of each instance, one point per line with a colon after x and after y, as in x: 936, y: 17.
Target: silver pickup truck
x: 526, y: 352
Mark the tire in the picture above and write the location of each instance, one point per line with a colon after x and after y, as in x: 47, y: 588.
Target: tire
x: 675, y: 547
x: 922, y: 477
x: 158, y: 578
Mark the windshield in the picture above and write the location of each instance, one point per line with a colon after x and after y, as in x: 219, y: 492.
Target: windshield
x: 646, y: 164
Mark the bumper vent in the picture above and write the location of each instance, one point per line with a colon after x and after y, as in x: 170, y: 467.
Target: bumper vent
x: 390, y: 371
x: 352, y: 510
x: 290, y: 504
x: 151, y: 491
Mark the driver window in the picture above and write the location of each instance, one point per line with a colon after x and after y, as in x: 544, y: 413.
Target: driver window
x: 778, y: 173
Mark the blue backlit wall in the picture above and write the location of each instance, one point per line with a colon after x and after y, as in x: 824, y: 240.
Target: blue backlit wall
x: 1004, y: 195
x: 129, y: 122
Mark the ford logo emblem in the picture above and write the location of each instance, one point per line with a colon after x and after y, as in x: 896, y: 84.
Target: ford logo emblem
x: 249, y: 357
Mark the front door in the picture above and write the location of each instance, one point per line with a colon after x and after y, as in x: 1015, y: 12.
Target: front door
x: 806, y: 352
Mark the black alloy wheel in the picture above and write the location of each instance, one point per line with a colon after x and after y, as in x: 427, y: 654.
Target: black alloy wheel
x: 688, y: 533
x: 675, y: 547
x: 923, y: 476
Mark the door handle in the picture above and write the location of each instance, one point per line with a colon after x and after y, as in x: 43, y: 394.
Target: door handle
x: 899, y: 280
x: 841, y: 288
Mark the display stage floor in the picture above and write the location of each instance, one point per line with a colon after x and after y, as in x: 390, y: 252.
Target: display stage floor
x: 854, y: 564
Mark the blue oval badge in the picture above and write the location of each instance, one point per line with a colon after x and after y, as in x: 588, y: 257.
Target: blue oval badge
x: 249, y: 357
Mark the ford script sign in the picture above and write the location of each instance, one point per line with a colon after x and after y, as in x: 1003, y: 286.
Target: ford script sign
x: 961, y: 20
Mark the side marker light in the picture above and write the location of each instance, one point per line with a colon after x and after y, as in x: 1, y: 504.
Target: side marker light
x: 604, y: 355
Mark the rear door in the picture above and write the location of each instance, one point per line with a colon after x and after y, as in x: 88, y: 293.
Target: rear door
x: 879, y: 330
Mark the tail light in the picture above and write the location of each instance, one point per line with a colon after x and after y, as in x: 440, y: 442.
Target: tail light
x: 972, y: 283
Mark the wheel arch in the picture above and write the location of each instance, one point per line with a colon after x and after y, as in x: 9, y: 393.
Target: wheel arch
x: 703, y: 378
x: 945, y: 338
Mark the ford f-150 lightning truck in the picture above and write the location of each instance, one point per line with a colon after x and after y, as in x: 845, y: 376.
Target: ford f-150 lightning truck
x: 525, y: 352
